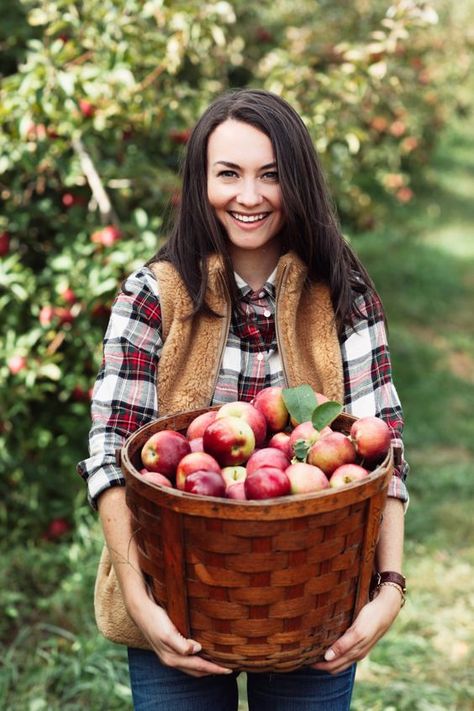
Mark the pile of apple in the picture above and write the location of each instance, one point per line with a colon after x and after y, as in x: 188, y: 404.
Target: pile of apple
x: 281, y: 443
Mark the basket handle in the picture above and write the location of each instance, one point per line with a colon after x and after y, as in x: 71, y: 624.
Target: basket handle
x: 174, y: 569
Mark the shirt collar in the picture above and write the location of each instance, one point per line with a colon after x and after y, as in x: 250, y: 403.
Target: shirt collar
x: 268, y: 288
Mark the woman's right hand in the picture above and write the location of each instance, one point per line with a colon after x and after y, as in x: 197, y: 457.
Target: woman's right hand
x: 172, y: 648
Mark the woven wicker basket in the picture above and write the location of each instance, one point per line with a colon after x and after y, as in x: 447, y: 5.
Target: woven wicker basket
x: 263, y: 586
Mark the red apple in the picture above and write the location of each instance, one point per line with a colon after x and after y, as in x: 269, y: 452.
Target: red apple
x: 163, y: 451
x: 267, y: 483
x: 156, y: 478
x: 306, y: 432
x: 107, y: 236
x: 230, y: 440
x: 4, y: 244
x: 57, y: 528
x: 196, y: 444
x: 194, y: 462
x: 281, y: 441
x: 205, y: 483
x: 250, y: 414
x: 87, y: 108
x: 46, y: 315
x: 371, y: 437
x: 267, y: 457
x: 16, y: 364
x: 178, y: 136
x: 198, y: 425
x: 236, y: 491
x: 233, y: 474
x: 331, y: 451
x: 346, y: 474
x: 271, y: 404
x: 306, y: 478
x: 68, y: 295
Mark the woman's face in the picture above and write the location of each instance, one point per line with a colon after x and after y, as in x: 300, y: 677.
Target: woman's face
x: 243, y: 186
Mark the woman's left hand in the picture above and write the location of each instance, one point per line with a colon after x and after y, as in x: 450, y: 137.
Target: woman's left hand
x: 369, y: 626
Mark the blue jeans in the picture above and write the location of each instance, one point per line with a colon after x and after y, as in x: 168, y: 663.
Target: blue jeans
x: 156, y: 687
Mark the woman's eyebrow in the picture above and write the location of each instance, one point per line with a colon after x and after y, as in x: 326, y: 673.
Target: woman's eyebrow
x: 235, y: 166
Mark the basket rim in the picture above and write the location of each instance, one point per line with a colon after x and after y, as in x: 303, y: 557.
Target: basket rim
x: 293, y: 505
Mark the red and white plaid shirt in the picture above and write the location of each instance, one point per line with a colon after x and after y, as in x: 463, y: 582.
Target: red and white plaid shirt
x: 125, y: 396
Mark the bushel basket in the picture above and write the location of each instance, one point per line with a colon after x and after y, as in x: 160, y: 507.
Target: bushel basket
x: 262, y: 585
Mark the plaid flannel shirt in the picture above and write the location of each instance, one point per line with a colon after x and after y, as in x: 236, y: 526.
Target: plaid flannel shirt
x: 124, y: 396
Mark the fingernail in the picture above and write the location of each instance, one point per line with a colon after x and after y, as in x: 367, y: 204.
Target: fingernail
x: 330, y: 655
x: 196, y: 647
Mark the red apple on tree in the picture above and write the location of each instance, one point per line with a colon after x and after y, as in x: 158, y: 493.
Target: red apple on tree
x: 107, y: 236
x: 266, y: 483
x: 371, y: 437
x: 87, y: 108
x: 271, y: 404
x: 16, y: 364
x: 163, y: 451
x: 267, y: 457
x: 306, y: 478
x: 230, y: 440
x: 197, y: 426
x: 4, y: 244
x: 346, y: 474
x: 250, y: 414
x: 331, y: 451
x: 194, y: 462
x: 205, y: 483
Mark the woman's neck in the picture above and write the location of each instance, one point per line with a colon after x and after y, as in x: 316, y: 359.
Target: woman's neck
x: 255, y: 266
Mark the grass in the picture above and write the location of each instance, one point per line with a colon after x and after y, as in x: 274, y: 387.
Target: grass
x: 52, y: 657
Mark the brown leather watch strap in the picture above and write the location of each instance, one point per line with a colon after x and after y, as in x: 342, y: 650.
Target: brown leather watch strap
x: 388, y: 576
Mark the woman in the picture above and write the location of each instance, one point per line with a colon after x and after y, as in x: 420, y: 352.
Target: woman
x: 254, y: 259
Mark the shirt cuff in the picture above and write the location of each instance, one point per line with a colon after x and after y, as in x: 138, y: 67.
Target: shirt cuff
x: 102, y: 480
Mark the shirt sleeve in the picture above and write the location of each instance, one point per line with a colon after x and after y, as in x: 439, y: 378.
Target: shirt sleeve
x: 124, y: 396
x: 368, y: 385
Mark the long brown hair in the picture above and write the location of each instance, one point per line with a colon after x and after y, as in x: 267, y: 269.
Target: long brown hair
x: 311, y: 227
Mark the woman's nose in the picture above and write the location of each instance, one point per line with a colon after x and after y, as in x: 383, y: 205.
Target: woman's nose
x: 249, y: 194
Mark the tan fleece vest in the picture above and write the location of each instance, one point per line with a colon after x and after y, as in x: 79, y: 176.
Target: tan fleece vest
x: 189, y: 366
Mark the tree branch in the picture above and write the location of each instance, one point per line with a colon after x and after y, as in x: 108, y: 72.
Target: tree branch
x: 93, y: 178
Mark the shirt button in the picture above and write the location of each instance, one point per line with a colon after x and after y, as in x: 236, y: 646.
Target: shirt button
x: 261, y: 295
x: 267, y: 313
x: 260, y: 356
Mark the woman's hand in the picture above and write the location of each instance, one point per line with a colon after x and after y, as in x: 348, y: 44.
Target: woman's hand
x: 369, y: 626
x: 172, y: 648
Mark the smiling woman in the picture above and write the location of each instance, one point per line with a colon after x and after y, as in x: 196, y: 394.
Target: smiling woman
x: 244, y: 190
x: 255, y: 287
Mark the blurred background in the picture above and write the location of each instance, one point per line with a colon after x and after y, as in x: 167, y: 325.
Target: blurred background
x: 97, y: 99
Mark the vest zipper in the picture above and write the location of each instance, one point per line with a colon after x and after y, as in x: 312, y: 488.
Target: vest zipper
x: 277, y: 327
x: 223, y: 339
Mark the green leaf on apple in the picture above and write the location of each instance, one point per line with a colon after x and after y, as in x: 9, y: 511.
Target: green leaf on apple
x: 300, y: 402
x: 300, y: 449
x: 325, y: 413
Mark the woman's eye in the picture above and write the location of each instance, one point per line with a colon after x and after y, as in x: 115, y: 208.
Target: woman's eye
x: 272, y: 175
x: 226, y: 174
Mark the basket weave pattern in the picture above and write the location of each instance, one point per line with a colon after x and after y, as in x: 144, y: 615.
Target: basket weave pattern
x: 263, y: 586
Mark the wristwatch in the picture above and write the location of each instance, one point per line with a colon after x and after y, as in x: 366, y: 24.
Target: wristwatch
x: 388, y: 576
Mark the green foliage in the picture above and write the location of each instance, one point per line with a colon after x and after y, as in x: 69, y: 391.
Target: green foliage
x: 96, y: 103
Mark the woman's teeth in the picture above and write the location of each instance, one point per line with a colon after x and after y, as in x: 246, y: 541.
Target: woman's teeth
x: 249, y: 218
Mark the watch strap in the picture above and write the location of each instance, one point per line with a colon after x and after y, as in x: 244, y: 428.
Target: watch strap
x: 388, y: 576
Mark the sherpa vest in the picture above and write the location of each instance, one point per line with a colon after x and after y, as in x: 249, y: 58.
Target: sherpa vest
x: 193, y: 348
x: 189, y: 367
